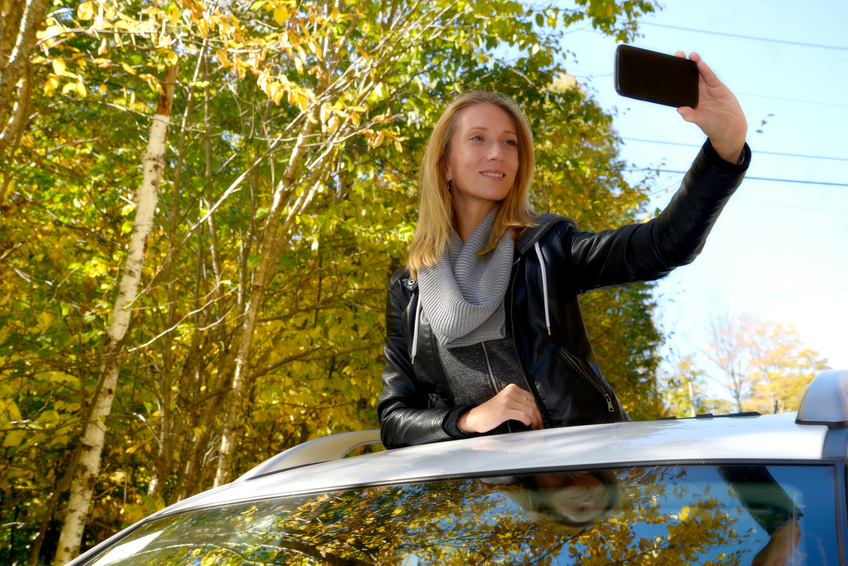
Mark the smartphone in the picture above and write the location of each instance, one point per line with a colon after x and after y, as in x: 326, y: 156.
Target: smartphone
x: 655, y: 77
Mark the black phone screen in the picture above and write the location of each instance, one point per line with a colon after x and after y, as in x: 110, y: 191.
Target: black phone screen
x: 655, y: 77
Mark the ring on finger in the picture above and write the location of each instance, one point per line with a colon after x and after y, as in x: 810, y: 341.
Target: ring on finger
x: 525, y: 401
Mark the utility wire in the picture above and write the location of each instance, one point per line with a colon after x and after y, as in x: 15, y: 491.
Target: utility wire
x: 793, y: 99
x: 758, y: 152
x: 839, y: 48
x: 799, y: 181
x: 790, y: 205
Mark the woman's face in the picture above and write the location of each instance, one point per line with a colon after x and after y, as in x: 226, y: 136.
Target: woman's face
x: 583, y: 499
x: 483, y: 159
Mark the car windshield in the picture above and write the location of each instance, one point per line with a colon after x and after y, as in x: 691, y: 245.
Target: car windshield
x: 699, y: 514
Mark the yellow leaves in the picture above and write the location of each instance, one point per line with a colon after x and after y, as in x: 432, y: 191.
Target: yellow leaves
x: 164, y: 41
x: 50, y: 33
x: 9, y: 411
x: 50, y: 85
x: 222, y: 57
x: 298, y: 97
x: 85, y: 11
x: 281, y: 15
x: 95, y: 268
x: 326, y: 111
x: 13, y: 438
x: 203, y: 28
x: 77, y: 87
x: 333, y: 124
x: 128, y: 69
x: 329, y: 118
x: 59, y: 67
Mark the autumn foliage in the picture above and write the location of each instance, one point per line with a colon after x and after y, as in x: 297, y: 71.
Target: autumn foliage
x: 287, y: 197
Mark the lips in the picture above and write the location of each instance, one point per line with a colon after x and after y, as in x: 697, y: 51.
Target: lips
x: 493, y: 174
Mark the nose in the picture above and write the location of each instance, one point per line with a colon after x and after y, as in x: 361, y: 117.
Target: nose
x: 495, y: 152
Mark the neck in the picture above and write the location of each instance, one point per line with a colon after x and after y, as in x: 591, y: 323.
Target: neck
x: 470, y: 215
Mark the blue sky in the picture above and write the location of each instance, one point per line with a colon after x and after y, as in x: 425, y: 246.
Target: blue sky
x: 780, y: 249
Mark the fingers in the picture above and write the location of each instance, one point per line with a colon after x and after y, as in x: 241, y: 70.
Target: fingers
x: 512, y: 403
x: 528, y: 411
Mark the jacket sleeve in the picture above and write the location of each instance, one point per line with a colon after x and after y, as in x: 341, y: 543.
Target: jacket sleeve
x: 405, y: 418
x: 649, y: 251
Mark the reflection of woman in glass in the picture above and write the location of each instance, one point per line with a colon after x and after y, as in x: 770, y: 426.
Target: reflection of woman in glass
x: 770, y: 506
x: 574, y: 499
x: 578, y: 499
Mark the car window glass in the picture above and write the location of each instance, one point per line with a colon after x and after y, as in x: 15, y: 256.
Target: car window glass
x: 705, y: 514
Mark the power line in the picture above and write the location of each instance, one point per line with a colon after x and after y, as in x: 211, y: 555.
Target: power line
x: 793, y: 99
x: 736, y: 198
x: 839, y: 48
x: 756, y: 152
x: 799, y: 181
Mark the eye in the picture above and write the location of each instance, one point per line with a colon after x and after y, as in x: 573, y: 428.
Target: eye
x: 511, y: 142
x: 476, y: 138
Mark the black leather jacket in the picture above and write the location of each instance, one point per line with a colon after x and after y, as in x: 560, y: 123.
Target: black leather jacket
x: 560, y: 366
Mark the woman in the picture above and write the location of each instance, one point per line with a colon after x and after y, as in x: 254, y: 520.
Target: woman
x: 573, y: 499
x: 484, y: 330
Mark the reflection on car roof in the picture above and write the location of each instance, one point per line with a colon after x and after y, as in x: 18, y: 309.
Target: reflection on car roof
x: 768, y: 437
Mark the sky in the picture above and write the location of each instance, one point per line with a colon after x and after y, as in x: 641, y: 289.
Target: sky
x: 779, y: 251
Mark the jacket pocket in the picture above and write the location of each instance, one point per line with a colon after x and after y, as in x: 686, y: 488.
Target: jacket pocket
x: 593, y: 380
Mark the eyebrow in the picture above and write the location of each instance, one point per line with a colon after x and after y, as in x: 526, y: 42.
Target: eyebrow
x: 485, y: 129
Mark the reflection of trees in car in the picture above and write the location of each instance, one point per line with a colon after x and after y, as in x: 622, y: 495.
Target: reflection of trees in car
x: 663, y: 515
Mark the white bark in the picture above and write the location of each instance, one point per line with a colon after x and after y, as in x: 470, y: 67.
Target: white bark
x: 94, y: 432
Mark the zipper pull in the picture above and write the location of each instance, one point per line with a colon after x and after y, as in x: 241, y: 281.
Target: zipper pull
x: 609, y: 403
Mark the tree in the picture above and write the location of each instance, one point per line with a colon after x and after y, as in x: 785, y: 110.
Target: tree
x: 763, y: 365
x: 254, y: 103
x: 784, y: 368
x: 94, y: 428
x: 686, y: 389
x: 21, y: 20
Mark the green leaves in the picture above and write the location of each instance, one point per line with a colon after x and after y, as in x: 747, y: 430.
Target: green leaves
x: 251, y: 76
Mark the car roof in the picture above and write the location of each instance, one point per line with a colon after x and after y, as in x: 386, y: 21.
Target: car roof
x: 696, y: 440
x: 817, y: 432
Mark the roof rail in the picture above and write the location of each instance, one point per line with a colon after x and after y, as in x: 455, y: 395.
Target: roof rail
x: 826, y: 400
x: 333, y: 447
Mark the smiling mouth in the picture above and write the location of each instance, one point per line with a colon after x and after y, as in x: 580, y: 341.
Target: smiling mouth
x: 495, y: 175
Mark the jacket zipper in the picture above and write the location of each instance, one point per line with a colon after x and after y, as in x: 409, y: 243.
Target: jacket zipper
x: 530, y: 386
x: 575, y: 363
x: 492, y: 377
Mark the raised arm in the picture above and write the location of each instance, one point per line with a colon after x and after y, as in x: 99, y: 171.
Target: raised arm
x: 644, y: 252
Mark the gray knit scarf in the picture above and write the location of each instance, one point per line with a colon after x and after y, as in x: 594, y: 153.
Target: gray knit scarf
x: 463, y: 294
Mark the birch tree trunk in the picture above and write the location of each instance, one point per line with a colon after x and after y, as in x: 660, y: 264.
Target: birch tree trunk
x: 94, y: 428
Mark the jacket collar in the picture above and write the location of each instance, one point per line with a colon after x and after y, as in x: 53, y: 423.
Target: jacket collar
x: 534, y: 233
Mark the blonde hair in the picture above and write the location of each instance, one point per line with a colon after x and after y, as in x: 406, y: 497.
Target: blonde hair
x: 436, y: 215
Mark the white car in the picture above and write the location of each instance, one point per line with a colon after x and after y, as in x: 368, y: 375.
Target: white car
x: 730, y: 489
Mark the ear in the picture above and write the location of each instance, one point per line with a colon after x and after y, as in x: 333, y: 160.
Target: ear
x: 448, y: 174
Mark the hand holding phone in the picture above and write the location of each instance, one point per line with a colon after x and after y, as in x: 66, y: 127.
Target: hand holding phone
x: 690, y: 85
x: 656, y: 77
